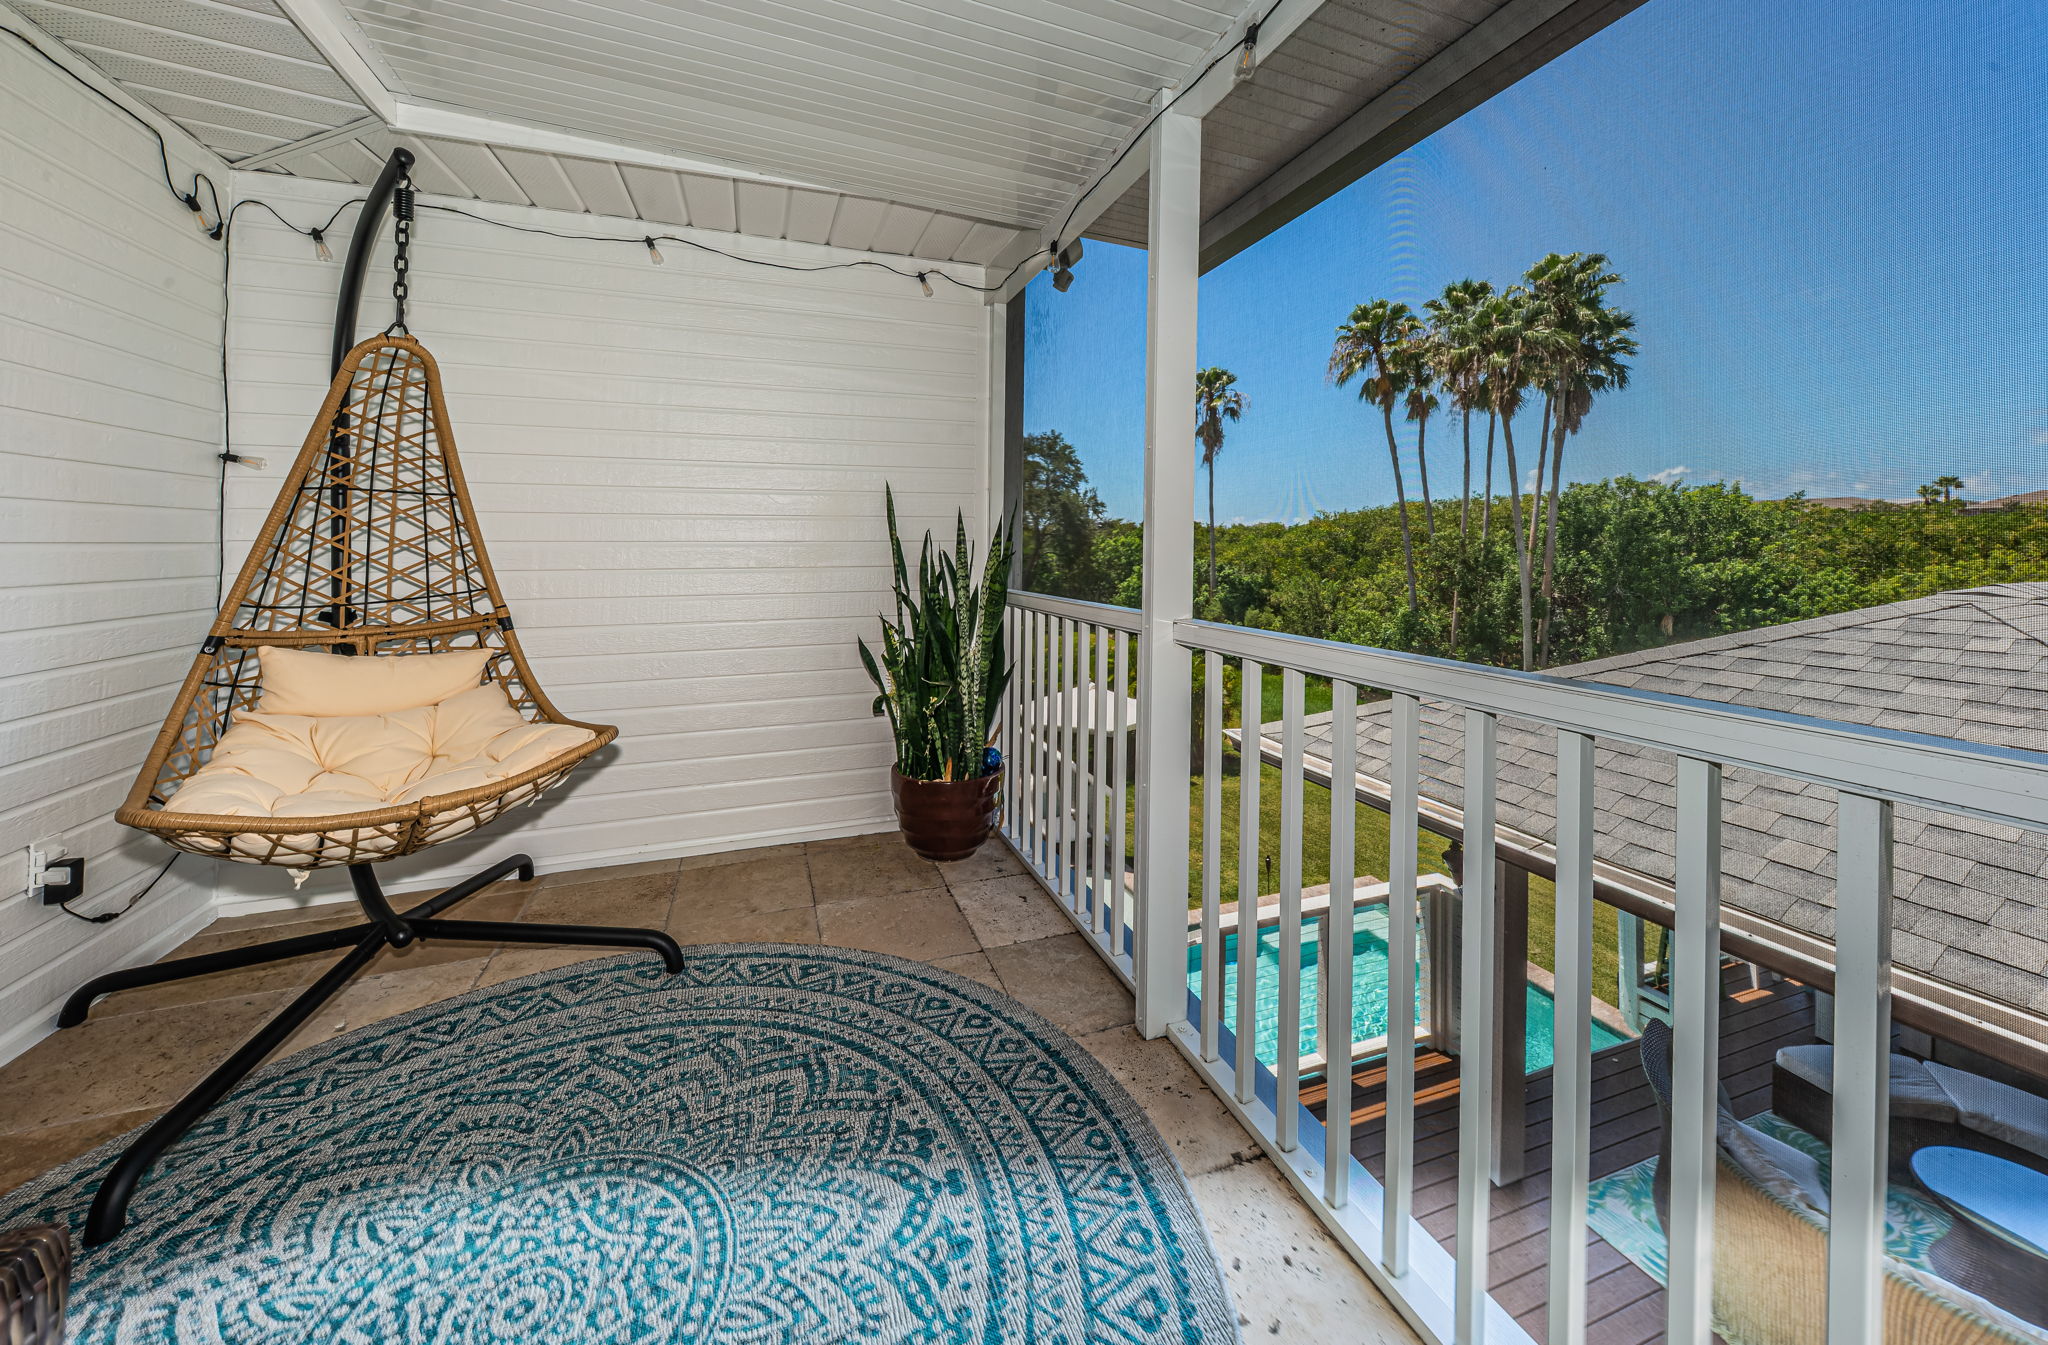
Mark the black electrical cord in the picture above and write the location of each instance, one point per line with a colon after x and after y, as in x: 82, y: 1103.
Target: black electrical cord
x: 107, y: 917
x: 1251, y: 37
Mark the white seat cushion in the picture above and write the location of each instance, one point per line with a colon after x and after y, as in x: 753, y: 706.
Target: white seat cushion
x: 280, y: 765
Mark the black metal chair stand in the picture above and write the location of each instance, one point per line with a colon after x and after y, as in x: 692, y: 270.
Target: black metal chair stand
x: 385, y: 928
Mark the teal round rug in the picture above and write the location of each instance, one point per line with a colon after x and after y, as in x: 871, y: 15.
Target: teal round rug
x: 780, y: 1146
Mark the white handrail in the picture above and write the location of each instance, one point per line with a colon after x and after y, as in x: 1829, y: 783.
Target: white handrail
x: 1126, y: 619
x: 1995, y: 783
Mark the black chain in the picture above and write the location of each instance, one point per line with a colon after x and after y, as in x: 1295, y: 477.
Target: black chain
x: 401, y: 260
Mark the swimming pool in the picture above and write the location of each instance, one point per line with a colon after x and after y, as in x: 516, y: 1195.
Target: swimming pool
x: 1368, y: 991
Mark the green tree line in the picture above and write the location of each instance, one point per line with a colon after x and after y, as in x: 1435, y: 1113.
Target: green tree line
x: 1637, y: 564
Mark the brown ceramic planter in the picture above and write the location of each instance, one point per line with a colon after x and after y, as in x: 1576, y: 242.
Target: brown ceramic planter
x: 945, y: 819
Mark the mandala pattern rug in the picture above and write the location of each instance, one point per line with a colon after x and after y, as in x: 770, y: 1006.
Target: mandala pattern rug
x: 780, y: 1146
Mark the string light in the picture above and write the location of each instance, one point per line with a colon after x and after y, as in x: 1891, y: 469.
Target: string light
x: 320, y: 248
x: 924, y: 284
x: 1247, y: 57
x: 653, y: 252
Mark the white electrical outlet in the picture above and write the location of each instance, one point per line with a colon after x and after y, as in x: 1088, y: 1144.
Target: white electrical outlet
x: 41, y: 854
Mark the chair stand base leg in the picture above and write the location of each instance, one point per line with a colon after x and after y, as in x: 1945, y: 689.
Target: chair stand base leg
x: 385, y: 928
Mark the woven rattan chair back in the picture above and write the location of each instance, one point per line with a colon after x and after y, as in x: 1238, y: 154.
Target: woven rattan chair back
x: 371, y: 549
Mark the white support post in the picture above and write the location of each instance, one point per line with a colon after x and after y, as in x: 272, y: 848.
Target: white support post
x: 1571, y: 1091
x: 1695, y: 1053
x: 1863, y: 1029
x: 1174, y: 227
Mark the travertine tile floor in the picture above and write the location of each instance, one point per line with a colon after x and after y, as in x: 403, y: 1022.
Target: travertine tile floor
x: 984, y: 918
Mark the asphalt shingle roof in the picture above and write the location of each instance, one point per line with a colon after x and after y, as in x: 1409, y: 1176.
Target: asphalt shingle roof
x: 1972, y: 896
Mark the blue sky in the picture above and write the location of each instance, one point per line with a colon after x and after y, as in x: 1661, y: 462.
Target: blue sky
x: 1833, y: 220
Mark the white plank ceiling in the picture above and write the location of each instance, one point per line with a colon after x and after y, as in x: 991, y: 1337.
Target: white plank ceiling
x: 1346, y: 54
x: 940, y: 129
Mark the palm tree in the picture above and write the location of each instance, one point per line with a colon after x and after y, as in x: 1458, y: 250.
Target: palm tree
x: 1949, y: 486
x: 1368, y: 346
x: 1512, y: 340
x: 1215, y: 402
x: 1460, y: 367
x: 1585, y: 353
x: 1417, y: 358
x: 1930, y: 495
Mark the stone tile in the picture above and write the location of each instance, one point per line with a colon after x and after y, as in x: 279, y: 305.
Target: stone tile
x: 607, y: 872
x: 126, y: 1062
x: 319, y: 910
x: 511, y: 963
x: 499, y: 902
x: 370, y: 999
x: 1202, y: 1135
x: 993, y: 860
x: 872, y: 868
x: 642, y: 900
x: 773, y: 883
x: 797, y: 924
x: 794, y: 850
x: 1290, y: 1279
x: 852, y: 842
x: 1065, y: 980
x: 1010, y: 910
x: 923, y: 925
x: 974, y: 966
x: 287, y: 974
x: 34, y: 1152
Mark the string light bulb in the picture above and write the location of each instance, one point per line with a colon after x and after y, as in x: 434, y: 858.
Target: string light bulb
x: 924, y: 284
x: 320, y: 248
x: 1247, y: 57
x: 653, y: 252
x: 198, y: 215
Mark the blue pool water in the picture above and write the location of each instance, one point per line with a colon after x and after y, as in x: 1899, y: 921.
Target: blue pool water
x: 1368, y: 992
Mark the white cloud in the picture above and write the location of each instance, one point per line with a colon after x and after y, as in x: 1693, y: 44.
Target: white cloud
x: 1670, y: 475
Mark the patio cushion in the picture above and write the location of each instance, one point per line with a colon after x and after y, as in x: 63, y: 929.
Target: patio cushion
x: 279, y: 765
x: 1915, y: 1093
x: 1771, y: 1164
x: 307, y: 682
x: 1995, y: 1109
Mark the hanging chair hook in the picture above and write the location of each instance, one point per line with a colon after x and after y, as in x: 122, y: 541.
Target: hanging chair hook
x: 401, y: 258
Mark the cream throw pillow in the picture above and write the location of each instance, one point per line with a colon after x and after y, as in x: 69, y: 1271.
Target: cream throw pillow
x: 304, y: 682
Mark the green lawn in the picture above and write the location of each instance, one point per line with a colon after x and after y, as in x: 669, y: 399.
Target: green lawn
x: 1371, y: 842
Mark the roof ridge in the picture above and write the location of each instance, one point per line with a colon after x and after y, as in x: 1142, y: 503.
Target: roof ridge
x: 1997, y: 613
x: 1813, y: 625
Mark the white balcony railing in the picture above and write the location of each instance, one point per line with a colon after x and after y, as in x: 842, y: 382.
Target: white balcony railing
x: 1070, y: 786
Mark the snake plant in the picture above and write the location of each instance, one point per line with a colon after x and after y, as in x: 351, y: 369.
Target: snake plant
x: 942, y: 673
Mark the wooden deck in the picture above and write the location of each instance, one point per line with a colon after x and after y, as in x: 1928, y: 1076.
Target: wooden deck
x: 1624, y: 1305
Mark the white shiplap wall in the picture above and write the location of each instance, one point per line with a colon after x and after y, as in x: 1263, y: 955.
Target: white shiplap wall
x: 679, y: 474
x: 109, y: 425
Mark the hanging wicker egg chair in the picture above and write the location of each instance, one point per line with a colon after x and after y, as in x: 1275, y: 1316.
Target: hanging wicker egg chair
x: 361, y: 696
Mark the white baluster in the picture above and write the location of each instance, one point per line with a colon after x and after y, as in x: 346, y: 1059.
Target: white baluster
x: 1480, y: 923
x: 1695, y: 1052
x: 1212, y: 853
x: 1287, y: 1064
x: 1571, y: 1115
x: 1863, y: 1029
x: 1339, y: 943
x: 1403, y: 859
x: 1250, y: 683
x: 1119, y: 913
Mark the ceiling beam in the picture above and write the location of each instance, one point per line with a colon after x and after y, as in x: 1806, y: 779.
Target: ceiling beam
x: 1206, y: 82
x: 415, y: 118
x: 312, y: 142
x: 342, y: 43
x: 1515, y: 39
